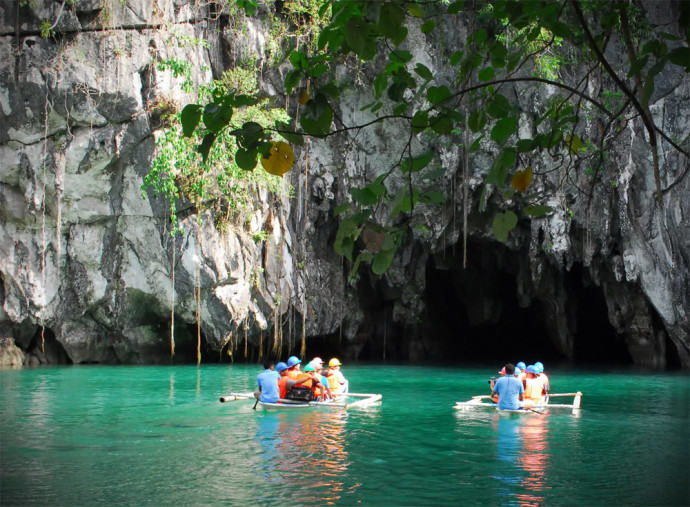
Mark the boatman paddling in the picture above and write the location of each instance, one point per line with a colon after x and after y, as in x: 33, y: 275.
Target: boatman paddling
x: 509, y: 390
x: 267, y: 384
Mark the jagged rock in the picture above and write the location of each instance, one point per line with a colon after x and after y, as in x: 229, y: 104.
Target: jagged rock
x: 86, y: 264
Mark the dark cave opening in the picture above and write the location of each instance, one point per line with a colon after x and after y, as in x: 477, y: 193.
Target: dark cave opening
x: 475, y: 314
x: 596, y: 341
x: 45, y: 349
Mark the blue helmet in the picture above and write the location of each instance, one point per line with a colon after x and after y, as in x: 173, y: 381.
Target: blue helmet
x: 281, y: 366
x: 521, y: 365
x: 539, y: 367
x: 518, y: 371
x: 292, y: 361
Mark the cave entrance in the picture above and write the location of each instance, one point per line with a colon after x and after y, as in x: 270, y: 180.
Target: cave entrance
x: 597, y: 342
x: 45, y: 349
x: 475, y: 315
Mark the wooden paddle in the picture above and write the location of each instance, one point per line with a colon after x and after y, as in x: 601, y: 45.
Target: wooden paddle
x: 255, y: 404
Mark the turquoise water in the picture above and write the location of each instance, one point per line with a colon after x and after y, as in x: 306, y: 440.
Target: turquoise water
x: 90, y: 435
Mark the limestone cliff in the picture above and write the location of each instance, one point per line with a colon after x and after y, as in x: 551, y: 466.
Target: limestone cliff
x: 86, y: 264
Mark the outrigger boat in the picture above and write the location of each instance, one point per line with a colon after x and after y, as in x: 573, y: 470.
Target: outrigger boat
x: 481, y: 402
x: 343, y: 401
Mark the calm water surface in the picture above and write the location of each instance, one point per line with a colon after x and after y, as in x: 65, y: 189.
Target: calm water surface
x: 89, y: 435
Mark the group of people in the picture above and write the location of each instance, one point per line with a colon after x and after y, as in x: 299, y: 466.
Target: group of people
x: 520, y: 386
x: 288, y: 381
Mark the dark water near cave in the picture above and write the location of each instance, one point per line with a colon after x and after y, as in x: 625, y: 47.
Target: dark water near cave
x: 90, y: 435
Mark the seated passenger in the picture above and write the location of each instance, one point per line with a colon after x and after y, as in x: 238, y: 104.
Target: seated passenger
x: 534, y: 389
x: 293, y: 367
x: 335, y: 364
x: 543, y: 377
x: 285, y: 383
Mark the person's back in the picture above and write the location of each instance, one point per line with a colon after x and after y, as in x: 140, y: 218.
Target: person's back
x: 543, y: 377
x: 267, y: 382
x: 509, y: 390
x: 534, y: 388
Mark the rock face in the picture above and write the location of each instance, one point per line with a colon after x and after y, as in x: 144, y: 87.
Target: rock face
x: 90, y: 273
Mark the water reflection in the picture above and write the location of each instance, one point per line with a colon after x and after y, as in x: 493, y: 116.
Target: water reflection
x: 306, y: 451
x: 523, y: 457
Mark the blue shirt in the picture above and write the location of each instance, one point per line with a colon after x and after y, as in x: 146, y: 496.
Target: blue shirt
x: 268, y: 382
x: 509, y: 389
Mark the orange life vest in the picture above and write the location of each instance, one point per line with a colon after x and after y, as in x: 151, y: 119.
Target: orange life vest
x: 534, y: 390
x: 333, y: 382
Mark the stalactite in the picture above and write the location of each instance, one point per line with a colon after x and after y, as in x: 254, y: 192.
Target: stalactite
x: 43, y: 224
x: 465, y: 192
x: 198, y: 302
x: 275, y: 330
x: 172, y: 303
x: 261, y: 345
x: 245, y: 338
x: 280, y: 340
x: 291, y: 320
x: 303, y: 348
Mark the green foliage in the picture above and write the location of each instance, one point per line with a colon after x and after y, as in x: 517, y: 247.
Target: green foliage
x: 180, y: 69
x: 46, y: 29
x: 191, y: 159
x: 536, y: 43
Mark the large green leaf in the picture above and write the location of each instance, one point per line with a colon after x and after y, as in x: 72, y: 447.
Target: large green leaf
x: 441, y: 124
x: 217, y: 116
x: 538, y: 210
x: 423, y: 72
x: 288, y: 132
x: 503, y: 224
x: 246, y: 159
x: 380, y: 84
x: 486, y: 74
x: 498, y: 106
x: 418, y: 163
x: 680, y: 56
x: 292, y: 79
x: 420, y: 121
x: 504, y: 128
x: 477, y: 120
x: 456, y: 7
x: 428, y: 26
x: 190, y: 118
x: 456, y: 58
x: 363, y: 196
x: 383, y: 260
x: 317, y: 116
x: 391, y: 19
x: 437, y: 94
x: 525, y: 145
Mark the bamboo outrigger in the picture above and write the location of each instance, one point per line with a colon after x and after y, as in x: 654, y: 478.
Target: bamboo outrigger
x: 480, y: 402
x: 341, y: 401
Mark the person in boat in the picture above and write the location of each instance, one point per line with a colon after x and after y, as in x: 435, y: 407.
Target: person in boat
x: 523, y: 373
x: 492, y: 382
x: 285, y: 383
x: 534, y: 388
x: 317, y: 362
x: 509, y: 390
x: 542, y: 376
x: 309, y: 386
x: 293, y: 367
x: 267, y: 384
x: 343, y: 385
